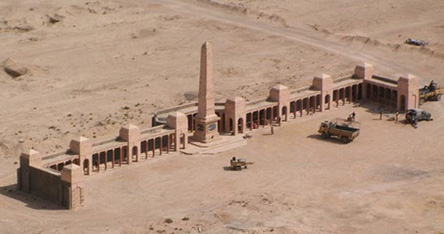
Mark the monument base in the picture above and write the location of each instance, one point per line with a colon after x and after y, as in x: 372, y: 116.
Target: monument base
x: 206, y: 129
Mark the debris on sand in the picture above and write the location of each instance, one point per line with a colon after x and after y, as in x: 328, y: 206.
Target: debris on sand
x: 53, y: 19
x: 13, y: 69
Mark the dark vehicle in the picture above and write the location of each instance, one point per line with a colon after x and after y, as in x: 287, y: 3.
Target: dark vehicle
x: 343, y: 129
x: 413, y: 116
x: 416, y: 42
x: 433, y: 91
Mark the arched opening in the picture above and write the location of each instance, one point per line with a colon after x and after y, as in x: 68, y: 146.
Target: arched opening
x: 135, y: 154
x: 299, y: 106
x: 369, y: 91
x: 336, y: 97
x: 254, y: 122
x: 284, y: 113
x: 359, y: 96
x: 268, y: 115
x: 262, y: 117
x: 125, y: 154
x: 249, y: 121
x: 318, y: 102
x: 230, y: 128
x: 402, y: 103
x: 312, y: 104
x: 60, y: 166
x: 354, y: 90
x: 190, y: 122
x: 347, y: 94
x: 275, y: 113
x: 86, y: 167
x: 305, y: 104
x: 388, y: 95
x: 342, y: 96
x: 240, y: 125
x: 375, y: 93
x: 182, y: 141
x: 327, y: 102
x: 95, y: 162
x: 381, y: 94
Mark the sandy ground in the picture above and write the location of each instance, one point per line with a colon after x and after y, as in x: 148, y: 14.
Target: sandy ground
x: 299, y: 183
x: 103, y: 56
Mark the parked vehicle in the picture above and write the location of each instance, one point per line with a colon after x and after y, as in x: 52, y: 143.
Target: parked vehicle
x: 342, y: 129
x: 416, y: 42
x: 433, y: 91
x: 416, y: 115
x: 239, y: 164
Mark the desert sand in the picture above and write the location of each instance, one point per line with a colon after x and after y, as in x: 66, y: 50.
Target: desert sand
x: 93, y: 66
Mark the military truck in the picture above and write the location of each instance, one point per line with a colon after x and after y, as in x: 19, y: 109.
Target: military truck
x: 239, y: 164
x: 342, y: 129
x: 413, y: 116
x: 433, y: 91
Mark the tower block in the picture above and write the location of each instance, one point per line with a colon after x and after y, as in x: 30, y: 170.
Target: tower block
x: 206, y: 118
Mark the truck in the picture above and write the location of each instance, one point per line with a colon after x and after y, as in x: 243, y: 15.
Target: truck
x: 416, y: 42
x: 414, y: 115
x: 238, y: 164
x: 342, y: 129
x: 433, y: 91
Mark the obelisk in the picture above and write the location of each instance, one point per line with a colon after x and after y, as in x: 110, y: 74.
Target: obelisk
x: 206, y: 118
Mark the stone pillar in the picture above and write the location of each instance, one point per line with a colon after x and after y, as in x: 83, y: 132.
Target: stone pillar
x: 408, y: 86
x: 235, y: 110
x: 179, y: 122
x: 281, y: 95
x: 364, y: 72
x: 131, y: 134
x: 29, y: 159
x: 83, y: 147
x: 73, y: 186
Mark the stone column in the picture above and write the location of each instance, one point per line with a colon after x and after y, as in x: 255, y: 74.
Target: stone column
x: 73, y: 181
x: 131, y: 134
x: 28, y: 160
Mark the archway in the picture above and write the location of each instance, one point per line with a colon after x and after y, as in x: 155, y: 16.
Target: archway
x: 182, y: 141
x: 240, y: 125
x: 369, y: 91
x: 284, y: 113
x: 135, y: 154
x: 230, y: 128
x: 86, y: 167
x: 327, y: 101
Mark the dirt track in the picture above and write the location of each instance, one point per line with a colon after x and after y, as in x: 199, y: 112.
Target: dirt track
x: 104, y: 56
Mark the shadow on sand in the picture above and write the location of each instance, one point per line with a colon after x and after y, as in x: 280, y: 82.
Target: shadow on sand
x: 31, y: 200
x: 331, y: 139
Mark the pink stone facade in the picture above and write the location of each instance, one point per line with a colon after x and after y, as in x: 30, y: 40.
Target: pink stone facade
x: 60, y: 177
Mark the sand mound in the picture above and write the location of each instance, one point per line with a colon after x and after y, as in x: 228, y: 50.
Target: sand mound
x: 15, y: 25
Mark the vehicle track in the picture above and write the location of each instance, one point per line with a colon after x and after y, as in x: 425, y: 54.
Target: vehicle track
x: 291, y: 33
